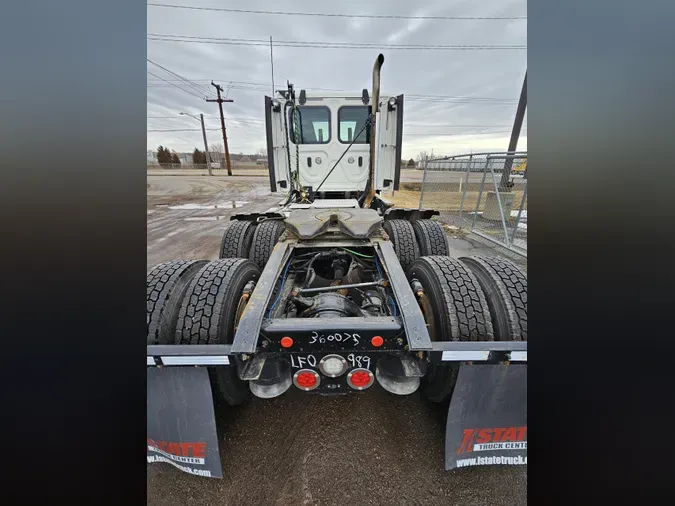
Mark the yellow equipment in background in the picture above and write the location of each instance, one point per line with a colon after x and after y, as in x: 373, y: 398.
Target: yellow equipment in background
x: 521, y: 168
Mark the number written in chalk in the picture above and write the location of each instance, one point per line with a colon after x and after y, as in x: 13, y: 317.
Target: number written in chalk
x: 337, y: 337
x: 359, y: 361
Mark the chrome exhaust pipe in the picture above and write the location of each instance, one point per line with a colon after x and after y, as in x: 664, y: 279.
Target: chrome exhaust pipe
x: 373, y: 111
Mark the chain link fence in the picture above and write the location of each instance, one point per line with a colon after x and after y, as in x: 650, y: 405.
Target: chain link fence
x: 471, y: 192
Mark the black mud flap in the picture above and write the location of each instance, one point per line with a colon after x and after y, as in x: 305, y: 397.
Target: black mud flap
x: 181, y: 420
x: 487, y: 418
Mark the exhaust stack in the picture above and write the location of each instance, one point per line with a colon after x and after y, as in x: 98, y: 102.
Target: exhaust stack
x: 370, y: 192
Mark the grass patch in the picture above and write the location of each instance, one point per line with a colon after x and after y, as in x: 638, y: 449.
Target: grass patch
x: 446, y: 201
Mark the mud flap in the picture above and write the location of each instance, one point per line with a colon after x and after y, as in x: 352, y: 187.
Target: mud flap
x: 487, y: 418
x: 181, y: 420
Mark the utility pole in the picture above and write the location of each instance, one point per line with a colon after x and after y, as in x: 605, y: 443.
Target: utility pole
x: 272, y: 63
x: 206, y: 145
x: 222, y: 123
x: 515, y: 133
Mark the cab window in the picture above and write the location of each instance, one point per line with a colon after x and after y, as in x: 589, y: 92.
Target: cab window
x: 313, y: 124
x: 351, y: 119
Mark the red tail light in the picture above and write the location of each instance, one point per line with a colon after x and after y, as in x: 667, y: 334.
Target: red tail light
x: 306, y: 379
x: 377, y: 341
x: 360, y: 379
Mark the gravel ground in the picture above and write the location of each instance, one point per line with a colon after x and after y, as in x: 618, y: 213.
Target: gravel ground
x: 372, y: 448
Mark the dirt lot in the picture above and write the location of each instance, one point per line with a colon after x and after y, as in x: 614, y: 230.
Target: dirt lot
x: 372, y: 448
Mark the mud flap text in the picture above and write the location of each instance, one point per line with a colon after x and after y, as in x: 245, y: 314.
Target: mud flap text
x: 487, y: 418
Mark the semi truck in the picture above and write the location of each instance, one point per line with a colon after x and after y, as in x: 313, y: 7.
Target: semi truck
x: 335, y: 291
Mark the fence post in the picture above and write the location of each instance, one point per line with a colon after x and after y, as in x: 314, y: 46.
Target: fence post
x: 480, y: 193
x: 499, y: 203
x: 520, y: 211
x: 424, y: 179
x: 466, y: 184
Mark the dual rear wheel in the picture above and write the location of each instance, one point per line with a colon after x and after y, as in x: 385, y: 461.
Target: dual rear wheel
x: 419, y: 238
x: 468, y: 299
x: 245, y: 239
x: 465, y: 299
x: 200, y: 302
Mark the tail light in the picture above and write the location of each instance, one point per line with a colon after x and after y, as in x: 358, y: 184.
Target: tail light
x: 306, y: 379
x: 360, y: 379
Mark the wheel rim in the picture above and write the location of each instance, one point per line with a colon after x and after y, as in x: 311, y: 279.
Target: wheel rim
x: 243, y: 302
x: 428, y: 313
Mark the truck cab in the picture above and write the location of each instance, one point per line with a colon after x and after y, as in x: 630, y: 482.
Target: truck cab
x: 327, y: 134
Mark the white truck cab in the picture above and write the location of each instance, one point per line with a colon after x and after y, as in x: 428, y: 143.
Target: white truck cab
x: 327, y: 124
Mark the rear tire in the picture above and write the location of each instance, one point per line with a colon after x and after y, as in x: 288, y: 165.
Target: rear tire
x: 431, y: 238
x: 402, y: 236
x: 505, y: 288
x: 207, y: 316
x: 166, y: 284
x: 458, y: 312
x: 236, y: 242
x: 265, y: 238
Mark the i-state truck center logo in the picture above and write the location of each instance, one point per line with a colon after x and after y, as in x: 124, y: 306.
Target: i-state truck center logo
x: 502, y: 438
x: 185, y: 453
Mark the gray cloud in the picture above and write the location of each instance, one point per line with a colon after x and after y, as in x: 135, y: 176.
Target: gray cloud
x: 490, y: 73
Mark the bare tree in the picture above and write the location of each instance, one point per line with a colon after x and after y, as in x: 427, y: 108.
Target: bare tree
x: 262, y: 152
x: 217, y: 152
x: 423, y: 157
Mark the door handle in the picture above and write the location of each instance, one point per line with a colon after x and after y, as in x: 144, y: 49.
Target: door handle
x: 309, y: 161
x: 360, y: 161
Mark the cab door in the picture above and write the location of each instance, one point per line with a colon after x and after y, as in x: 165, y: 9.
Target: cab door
x: 326, y: 127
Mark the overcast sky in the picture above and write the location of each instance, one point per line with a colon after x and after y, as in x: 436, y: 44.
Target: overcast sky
x: 494, y: 74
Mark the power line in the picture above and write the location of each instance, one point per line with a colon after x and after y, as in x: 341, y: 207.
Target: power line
x: 263, y: 86
x: 255, y: 121
x: 332, y: 15
x: 194, y: 86
x: 169, y: 117
x: 183, y: 130
x: 324, y: 45
x: 454, y: 134
x: 174, y: 84
x: 199, y: 88
x: 456, y: 126
x: 410, y: 97
x: 331, y: 43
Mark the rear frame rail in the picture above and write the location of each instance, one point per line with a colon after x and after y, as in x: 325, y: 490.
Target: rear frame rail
x: 413, y: 320
x: 248, y: 330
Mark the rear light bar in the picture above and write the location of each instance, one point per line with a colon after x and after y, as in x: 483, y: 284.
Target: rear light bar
x: 219, y: 354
